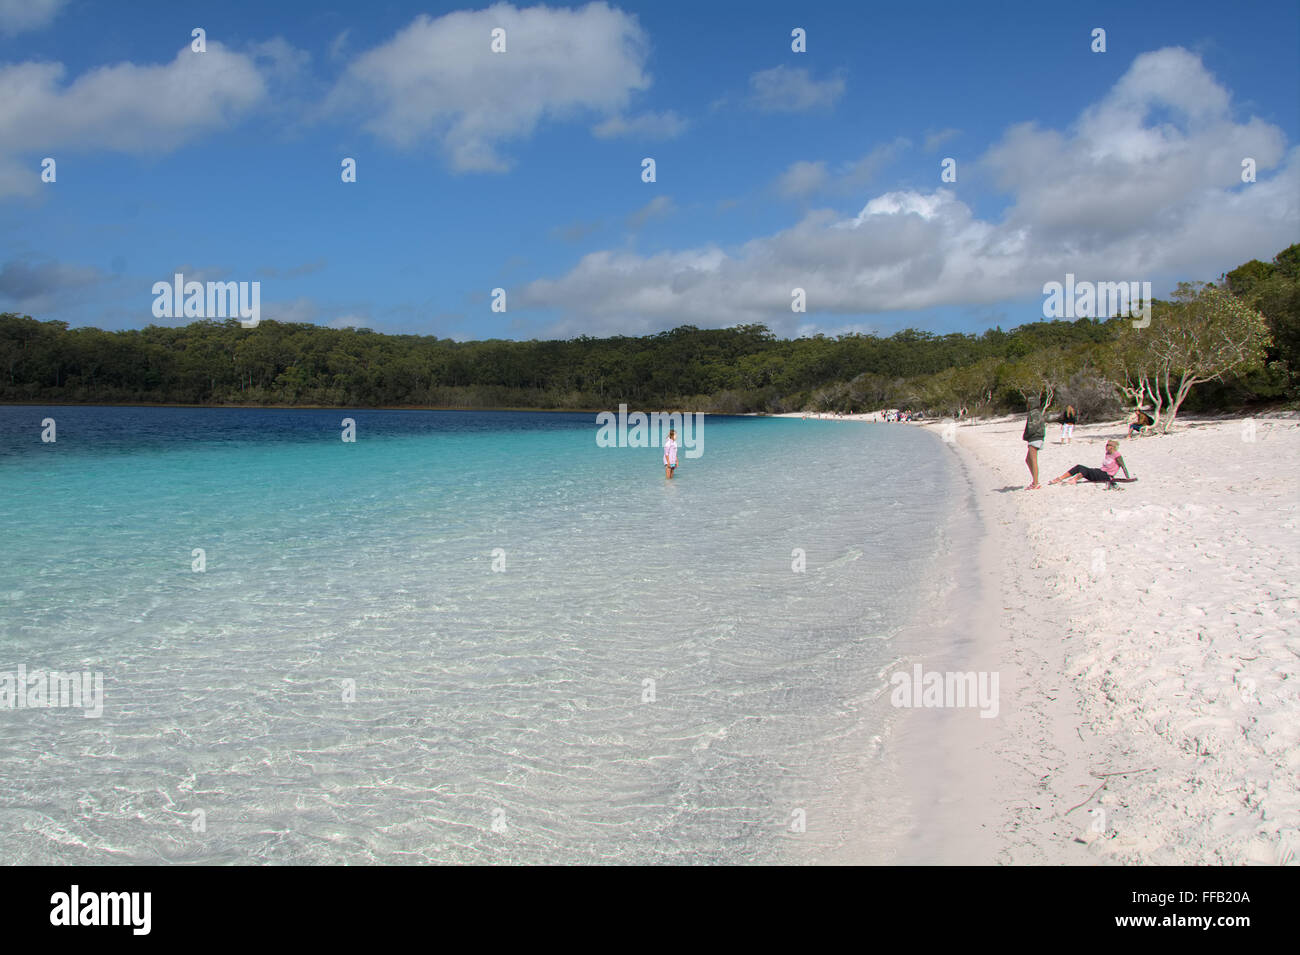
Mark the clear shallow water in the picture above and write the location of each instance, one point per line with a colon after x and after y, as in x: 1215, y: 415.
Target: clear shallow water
x: 513, y: 696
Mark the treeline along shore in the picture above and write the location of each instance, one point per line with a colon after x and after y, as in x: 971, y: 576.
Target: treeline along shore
x: 1222, y: 346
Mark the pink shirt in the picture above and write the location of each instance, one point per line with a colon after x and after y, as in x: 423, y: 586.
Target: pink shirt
x: 1111, y: 463
x: 670, y: 453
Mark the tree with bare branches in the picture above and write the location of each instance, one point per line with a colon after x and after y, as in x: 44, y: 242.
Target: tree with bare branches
x: 1133, y: 365
x: 1208, y: 334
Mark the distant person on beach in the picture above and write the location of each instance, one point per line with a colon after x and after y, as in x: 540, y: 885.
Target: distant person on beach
x: 1068, y: 420
x: 1035, y: 434
x: 670, y: 454
x: 1111, y: 465
x: 1139, y: 421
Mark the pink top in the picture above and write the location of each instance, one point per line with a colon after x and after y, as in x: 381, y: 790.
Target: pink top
x: 670, y: 453
x: 1111, y: 463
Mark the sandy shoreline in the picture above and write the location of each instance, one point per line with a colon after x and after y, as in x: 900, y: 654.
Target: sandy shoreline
x: 1147, y: 642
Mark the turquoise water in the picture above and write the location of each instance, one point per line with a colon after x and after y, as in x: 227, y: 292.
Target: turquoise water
x: 500, y: 715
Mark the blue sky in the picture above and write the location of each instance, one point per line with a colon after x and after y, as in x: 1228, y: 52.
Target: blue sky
x: 522, y: 170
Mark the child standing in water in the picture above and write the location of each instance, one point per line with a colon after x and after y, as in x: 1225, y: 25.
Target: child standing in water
x: 670, y: 454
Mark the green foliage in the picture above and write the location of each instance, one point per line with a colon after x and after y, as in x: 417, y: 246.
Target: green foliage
x: 1208, y: 335
x: 736, y: 369
x: 733, y: 370
x: 1273, y: 289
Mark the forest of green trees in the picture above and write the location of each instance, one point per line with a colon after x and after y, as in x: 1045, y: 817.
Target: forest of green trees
x: 1221, y: 346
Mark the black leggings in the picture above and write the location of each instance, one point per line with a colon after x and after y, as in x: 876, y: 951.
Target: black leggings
x: 1090, y: 474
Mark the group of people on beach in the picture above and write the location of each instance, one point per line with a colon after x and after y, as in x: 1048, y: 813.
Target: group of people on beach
x: 1035, y: 435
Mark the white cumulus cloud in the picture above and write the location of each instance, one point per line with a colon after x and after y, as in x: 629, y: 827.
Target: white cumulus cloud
x: 439, y: 80
x: 124, y: 107
x: 1145, y: 183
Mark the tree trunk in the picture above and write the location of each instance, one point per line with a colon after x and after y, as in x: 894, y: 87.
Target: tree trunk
x: 1133, y: 394
x: 1169, y: 396
x: 1152, y: 388
x: 1184, y: 389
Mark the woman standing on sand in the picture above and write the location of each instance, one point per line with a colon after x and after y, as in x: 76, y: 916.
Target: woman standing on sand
x: 1068, y: 420
x: 1035, y: 433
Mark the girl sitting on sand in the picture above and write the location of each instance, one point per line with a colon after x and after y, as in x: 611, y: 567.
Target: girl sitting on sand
x: 1110, y: 466
x: 1139, y: 420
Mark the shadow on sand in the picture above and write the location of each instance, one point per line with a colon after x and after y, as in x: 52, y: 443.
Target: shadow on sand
x: 1087, y: 439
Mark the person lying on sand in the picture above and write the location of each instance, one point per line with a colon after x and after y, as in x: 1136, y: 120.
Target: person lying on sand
x: 1110, y: 466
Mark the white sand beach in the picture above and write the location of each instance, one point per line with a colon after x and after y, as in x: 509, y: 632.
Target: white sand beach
x: 1152, y: 631
x: 1148, y: 646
